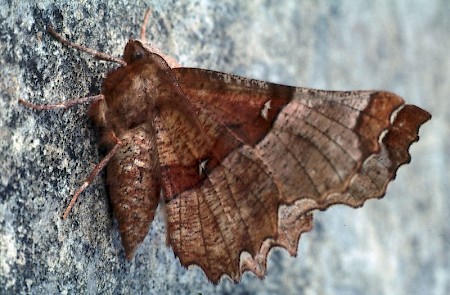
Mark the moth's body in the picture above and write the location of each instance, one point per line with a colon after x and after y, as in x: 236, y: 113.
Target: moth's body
x: 131, y: 102
x: 241, y: 163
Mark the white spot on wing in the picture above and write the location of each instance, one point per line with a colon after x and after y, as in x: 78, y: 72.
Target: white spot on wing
x: 202, y: 167
x: 265, y: 110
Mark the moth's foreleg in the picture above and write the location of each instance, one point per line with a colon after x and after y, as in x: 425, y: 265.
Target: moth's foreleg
x: 62, y: 105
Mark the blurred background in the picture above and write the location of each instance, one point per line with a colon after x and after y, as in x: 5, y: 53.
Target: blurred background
x: 397, y: 245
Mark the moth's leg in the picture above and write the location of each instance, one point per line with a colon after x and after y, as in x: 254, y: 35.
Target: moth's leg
x: 95, y: 53
x: 152, y: 48
x: 62, y: 105
x: 99, y: 167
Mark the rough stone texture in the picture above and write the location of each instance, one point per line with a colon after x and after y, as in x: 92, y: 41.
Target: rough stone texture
x: 399, y: 245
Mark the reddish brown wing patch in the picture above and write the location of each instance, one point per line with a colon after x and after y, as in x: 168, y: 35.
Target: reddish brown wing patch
x: 308, y: 150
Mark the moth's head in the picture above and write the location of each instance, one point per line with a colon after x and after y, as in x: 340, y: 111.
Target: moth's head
x: 135, y: 51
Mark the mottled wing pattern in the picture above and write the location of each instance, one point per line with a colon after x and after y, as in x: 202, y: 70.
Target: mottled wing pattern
x: 244, y: 161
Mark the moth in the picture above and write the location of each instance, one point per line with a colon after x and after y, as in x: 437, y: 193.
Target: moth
x: 240, y: 164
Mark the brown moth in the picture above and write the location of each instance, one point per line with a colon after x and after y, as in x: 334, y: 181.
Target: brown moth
x: 239, y: 163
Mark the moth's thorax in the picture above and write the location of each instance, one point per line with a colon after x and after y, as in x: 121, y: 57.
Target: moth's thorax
x: 133, y: 91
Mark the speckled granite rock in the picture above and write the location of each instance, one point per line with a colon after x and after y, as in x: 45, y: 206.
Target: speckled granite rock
x: 399, y: 245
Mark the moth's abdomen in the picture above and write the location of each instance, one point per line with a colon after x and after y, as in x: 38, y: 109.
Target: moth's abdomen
x: 134, y: 188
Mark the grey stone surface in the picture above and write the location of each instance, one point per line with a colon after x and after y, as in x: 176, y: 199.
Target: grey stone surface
x: 398, y: 245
